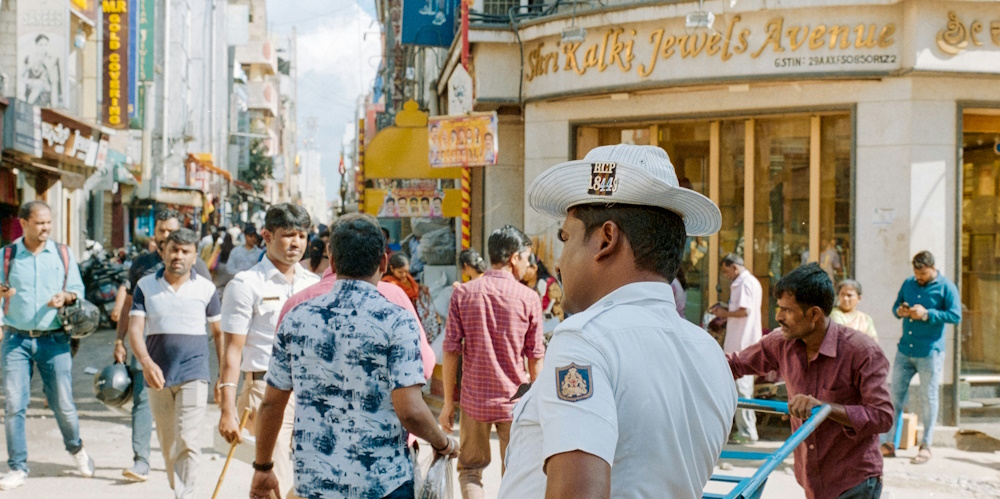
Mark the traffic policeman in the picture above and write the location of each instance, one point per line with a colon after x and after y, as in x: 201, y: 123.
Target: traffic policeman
x: 633, y: 401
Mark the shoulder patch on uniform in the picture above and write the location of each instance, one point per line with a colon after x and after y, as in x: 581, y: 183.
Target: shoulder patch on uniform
x: 573, y: 383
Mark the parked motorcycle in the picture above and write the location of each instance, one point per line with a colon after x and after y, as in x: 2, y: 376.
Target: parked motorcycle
x: 102, y: 274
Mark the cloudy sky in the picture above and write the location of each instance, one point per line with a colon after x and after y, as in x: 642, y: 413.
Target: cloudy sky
x: 338, y: 55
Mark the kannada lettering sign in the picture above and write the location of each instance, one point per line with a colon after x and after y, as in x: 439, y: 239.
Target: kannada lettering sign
x: 465, y: 140
x: 863, y: 40
x: 115, y: 101
x: 67, y: 140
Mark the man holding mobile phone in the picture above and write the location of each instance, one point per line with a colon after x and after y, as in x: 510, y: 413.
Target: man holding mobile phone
x: 926, y: 302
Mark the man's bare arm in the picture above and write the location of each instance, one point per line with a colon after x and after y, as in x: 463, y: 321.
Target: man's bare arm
x: 577, y: 475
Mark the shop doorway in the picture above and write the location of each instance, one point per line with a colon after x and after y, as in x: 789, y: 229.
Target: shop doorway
x: 980, y: 280
x: 784, y: 183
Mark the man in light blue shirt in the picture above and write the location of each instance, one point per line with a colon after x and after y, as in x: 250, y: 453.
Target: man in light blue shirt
x: 926, y: 302
x: 34, y: 284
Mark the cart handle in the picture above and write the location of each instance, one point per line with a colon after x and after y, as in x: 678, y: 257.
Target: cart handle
x: 771, y: 462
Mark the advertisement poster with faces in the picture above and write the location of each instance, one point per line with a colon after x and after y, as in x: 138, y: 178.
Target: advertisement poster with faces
x: 42, y: 28
x: 412, y: 198
x: 469, y: 140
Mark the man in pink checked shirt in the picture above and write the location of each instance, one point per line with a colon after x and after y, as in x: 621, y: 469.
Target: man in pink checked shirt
x: 494, y: 323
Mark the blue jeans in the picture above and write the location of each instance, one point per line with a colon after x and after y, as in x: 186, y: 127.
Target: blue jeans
x: 55, y: 364
x: 142, y: 416
x: 930, y: 369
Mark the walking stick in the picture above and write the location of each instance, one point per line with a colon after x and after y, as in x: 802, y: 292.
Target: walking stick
x: 232, y: 450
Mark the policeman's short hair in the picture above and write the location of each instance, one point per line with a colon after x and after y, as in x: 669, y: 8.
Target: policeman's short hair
x: 24, y: 213
x: 287, y: 216
x: 183, y: 237
x: 506, y: 242
x: 810, y: 285
x: 656, y: 234
x: 923, y: 260
x: 356, y: 245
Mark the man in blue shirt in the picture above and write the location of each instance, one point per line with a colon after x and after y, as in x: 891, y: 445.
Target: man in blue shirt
x: 171, y: 307
x: 926, y: 302
x: 33, y: 288
x: 353, y: 361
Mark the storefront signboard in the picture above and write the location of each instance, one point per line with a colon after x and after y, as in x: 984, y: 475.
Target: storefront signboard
x: 115, y: 69
x: 957, y: 39
x: 411, y: 198
x: 756, y: 44
x: 23, y: 132
x: 42, y: 50
x: 68, y: 141
x: 466, y: 140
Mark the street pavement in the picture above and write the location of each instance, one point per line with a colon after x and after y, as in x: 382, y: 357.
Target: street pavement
x: 953, y: 473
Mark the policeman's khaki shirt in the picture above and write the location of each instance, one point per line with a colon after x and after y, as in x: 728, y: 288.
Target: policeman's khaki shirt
x: 631, y: 382
x: 251, y: 304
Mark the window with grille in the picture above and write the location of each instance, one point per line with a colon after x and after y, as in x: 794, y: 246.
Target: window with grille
x: 499, y: 7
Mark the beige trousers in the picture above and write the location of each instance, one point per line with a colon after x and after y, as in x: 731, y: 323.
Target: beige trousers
x: 474, y: 453
x: 251, y: 397
x: 179, y: 412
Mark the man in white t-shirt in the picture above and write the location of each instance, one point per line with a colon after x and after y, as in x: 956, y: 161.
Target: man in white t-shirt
x: 633, y: 401
x: 743, y: 328
x: 250, y: 310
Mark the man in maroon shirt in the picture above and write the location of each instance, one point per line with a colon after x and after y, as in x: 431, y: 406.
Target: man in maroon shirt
x: 494, y: 323
x: 826, y: 363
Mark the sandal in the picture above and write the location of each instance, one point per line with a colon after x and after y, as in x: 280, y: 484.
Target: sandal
x: 923, y: 456
x: 888, y: 450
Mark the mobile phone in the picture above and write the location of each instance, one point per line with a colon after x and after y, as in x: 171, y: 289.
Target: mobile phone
x: 905, y: 305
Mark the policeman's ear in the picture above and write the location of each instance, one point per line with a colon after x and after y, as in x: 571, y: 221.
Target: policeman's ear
x: 609, y: 240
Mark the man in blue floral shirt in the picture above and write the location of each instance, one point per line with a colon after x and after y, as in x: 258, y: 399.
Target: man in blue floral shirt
x: 353, y: 360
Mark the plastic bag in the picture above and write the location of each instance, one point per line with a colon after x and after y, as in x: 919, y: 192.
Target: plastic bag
x: 437, y: 481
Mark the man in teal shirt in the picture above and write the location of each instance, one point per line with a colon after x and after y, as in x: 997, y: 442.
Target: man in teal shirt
x: 926, y: 302
x: 32, y: 289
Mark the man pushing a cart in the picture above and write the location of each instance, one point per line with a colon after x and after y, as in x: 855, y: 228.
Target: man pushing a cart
x: 825, y: 363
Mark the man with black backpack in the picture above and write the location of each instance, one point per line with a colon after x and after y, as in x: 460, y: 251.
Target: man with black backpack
x: 38, y: 277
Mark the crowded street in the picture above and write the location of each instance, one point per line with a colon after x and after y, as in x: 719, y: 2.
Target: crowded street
x: 500, y: 249
x: 972, y: 474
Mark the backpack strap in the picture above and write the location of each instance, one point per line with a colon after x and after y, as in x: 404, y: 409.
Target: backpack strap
x: 8, y: 255
x: 64, y: 255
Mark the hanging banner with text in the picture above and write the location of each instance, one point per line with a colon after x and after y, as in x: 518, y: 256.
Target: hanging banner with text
x: 466, y: 140
x: 114, y: 109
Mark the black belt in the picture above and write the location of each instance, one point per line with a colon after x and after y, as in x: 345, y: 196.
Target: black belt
x: 257, y: 375
x: 35, y: 333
